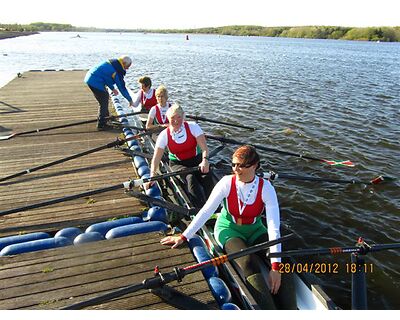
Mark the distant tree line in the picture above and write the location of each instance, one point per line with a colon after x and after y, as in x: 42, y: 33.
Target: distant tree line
x: 388, y: 34
x: 384, y: 34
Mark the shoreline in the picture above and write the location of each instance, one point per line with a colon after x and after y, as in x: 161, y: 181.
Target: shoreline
x: 14, y: 34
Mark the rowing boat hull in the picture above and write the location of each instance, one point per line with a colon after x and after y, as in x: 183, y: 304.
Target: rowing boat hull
x: 309, y: 296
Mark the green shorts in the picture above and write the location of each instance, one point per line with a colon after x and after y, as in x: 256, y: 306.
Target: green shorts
x: 226, y: 229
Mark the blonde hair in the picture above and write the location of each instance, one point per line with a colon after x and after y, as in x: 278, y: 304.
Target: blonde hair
x: 162, y: 90
x: 175, y: 109
x: 126, y: 61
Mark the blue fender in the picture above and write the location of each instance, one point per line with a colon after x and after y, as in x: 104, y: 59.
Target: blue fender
x: 136, y: 148
x: 132, y: 143
x: 88, y: 237
x: 138, y: 228
x: 35, y: 245
x: 156, y: 214
x: 104, y: 227
x: 139, y: 161
x: 70, y: 233
x: 201, y: 254
x: 229, y: 306
x: 219, y: 290
x: 143, y: 170
x: 6, y: 241
x: 154, y: 191
x: 126, y: 131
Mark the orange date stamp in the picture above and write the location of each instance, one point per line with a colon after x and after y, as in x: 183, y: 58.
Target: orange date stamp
x: 325, y: 268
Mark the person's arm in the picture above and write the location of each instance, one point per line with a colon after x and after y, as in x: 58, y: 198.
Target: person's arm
x: 121, y: 86
x: 201, y: 141
x: 204, y: 164
x: 136, y: 103
x: 220, y: 191
x: 150, y: 118
x: 273, y: 224
x: 155, y: 162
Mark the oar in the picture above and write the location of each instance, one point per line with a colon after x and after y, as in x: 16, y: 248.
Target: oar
x: 346, y: 163
x: 62, y: 126
x: 361, y: 248
x: 271, y: 175
x: 119, y: 124
x: 118, y: 142
x: 197, y: 118
x: 127, y: 185
x: 178, y: 274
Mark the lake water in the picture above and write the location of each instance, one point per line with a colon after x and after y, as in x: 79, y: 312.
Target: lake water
x: 329, y: 99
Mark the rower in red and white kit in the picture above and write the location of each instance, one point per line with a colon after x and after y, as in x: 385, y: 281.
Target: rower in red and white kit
x: 158, y: 113
x: 146, y: 97
x: 244, y: 197
x: 187, y: 147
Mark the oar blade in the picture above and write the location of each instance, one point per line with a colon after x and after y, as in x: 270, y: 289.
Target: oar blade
x: 345, y: 163
x: 382, y: 179
x: 6, y: 137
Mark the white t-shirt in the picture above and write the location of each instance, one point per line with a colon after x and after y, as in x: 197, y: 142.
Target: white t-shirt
x: 180, y: 136
x: 222, y: 190
x: 137, y: 100
x: 163, y: 111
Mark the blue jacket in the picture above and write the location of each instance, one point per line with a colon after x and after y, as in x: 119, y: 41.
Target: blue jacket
x: 107, y: 74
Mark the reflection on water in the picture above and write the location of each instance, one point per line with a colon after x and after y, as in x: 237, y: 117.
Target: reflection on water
x: 335, y: 100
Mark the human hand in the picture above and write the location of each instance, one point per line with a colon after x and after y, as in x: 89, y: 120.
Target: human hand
x: 131, y: 103
x: 274, y: 281
x: 204, y: 166
x: 148, y: 185
x: 115, y: 92
x: 176, y: 241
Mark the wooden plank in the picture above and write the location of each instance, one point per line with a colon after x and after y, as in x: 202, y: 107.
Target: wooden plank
x: 72, y: 275
x: 53, y: 98
x: 51, y: 279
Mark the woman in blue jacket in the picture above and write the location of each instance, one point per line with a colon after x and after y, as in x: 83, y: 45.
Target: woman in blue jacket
x: 108, y: 73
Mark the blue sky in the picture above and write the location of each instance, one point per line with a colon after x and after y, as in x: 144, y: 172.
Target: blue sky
x: 155, y: 14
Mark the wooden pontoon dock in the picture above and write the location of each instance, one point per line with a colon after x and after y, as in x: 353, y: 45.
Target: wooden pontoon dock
x: 54, y: 278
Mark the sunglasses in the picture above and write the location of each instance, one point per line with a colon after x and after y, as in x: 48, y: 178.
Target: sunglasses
x: 241, y: 165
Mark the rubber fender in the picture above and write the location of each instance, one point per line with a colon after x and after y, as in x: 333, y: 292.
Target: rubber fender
x: 88, y: 237
x: 219, y: 290
x: 35, y: 245
x: 154, y: 191
x: 138, y: 228
x: 136, y: 148
x: 139, y: 161
x: 127, y: 131
x: 6, y: 241
x: 229, y: 306
x: 143, y: 170
x: 129, y: 135
x: 156, y: 214
x: 146, y: 175
x: 200, y: 252
x: 132, y: 143
x: 104, y: 227
x: 70, y: 233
